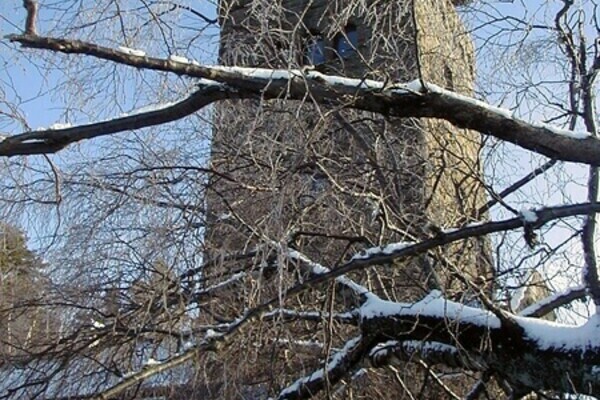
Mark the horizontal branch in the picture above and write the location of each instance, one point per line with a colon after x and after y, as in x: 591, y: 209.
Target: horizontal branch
x: 394, y: 352
x: 400, y: 100
x: 529, y: 353
x: 350, y: 318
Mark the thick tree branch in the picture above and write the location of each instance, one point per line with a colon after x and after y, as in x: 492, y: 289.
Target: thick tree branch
x: 590, y: 275
x: 396, y: 352
x: 401, y: 100
x: 530, y: 354
x: 32, y: 9
x: 52, y: 140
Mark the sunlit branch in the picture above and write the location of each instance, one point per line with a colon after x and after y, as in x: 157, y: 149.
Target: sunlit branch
x: 337, y: 366
x: 387, y: 254
x: 52, y: 140
x: 497, y: 197
x: 547, y: 305
x: 400, y: 100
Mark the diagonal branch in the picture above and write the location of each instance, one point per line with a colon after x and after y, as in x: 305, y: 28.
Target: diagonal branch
x: 402, y: 100
x: 53, y: 140
x: 499, y: 197
x: 336, y: 368
x: 387, y: 254
x: 547, y: 305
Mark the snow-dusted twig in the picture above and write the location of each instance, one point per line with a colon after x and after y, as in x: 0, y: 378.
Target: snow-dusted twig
x: 336, y: 367
x: 316, y: 316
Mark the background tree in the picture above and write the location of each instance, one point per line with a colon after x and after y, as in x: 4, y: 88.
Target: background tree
x: 25, y: 325
x: 105, y: 210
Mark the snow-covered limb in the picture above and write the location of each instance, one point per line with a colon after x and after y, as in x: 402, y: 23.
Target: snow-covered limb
x: 151, y: 369
x: 528, y: 353
x: 432, y: 353
x: 318, y: 269
x: 55, y: 139
x: 400, y: 100
x: 554, y: 301
x: 529, y: 216
x: 433, y: 305
x: 133, y: 52
x: 387, y: 254
x: 59, y: 136
x: 338, y: 366
x: 381, y: 250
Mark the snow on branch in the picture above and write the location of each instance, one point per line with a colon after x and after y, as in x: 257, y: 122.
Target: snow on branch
x: 318, y: 269
x: 149, y: 370
x: 55, y: 138
x: 528, y: 352
x: 433, y: 305
x: 554, y: 301
x: 401, y: 100
x: 394, y: 352
x: 387, y: 254
x: 337, y: 366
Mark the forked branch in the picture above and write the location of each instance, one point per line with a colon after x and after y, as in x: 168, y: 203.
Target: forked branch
x: 400, y: 100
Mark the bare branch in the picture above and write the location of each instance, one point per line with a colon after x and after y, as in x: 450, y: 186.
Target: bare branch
x: 32, y: 9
